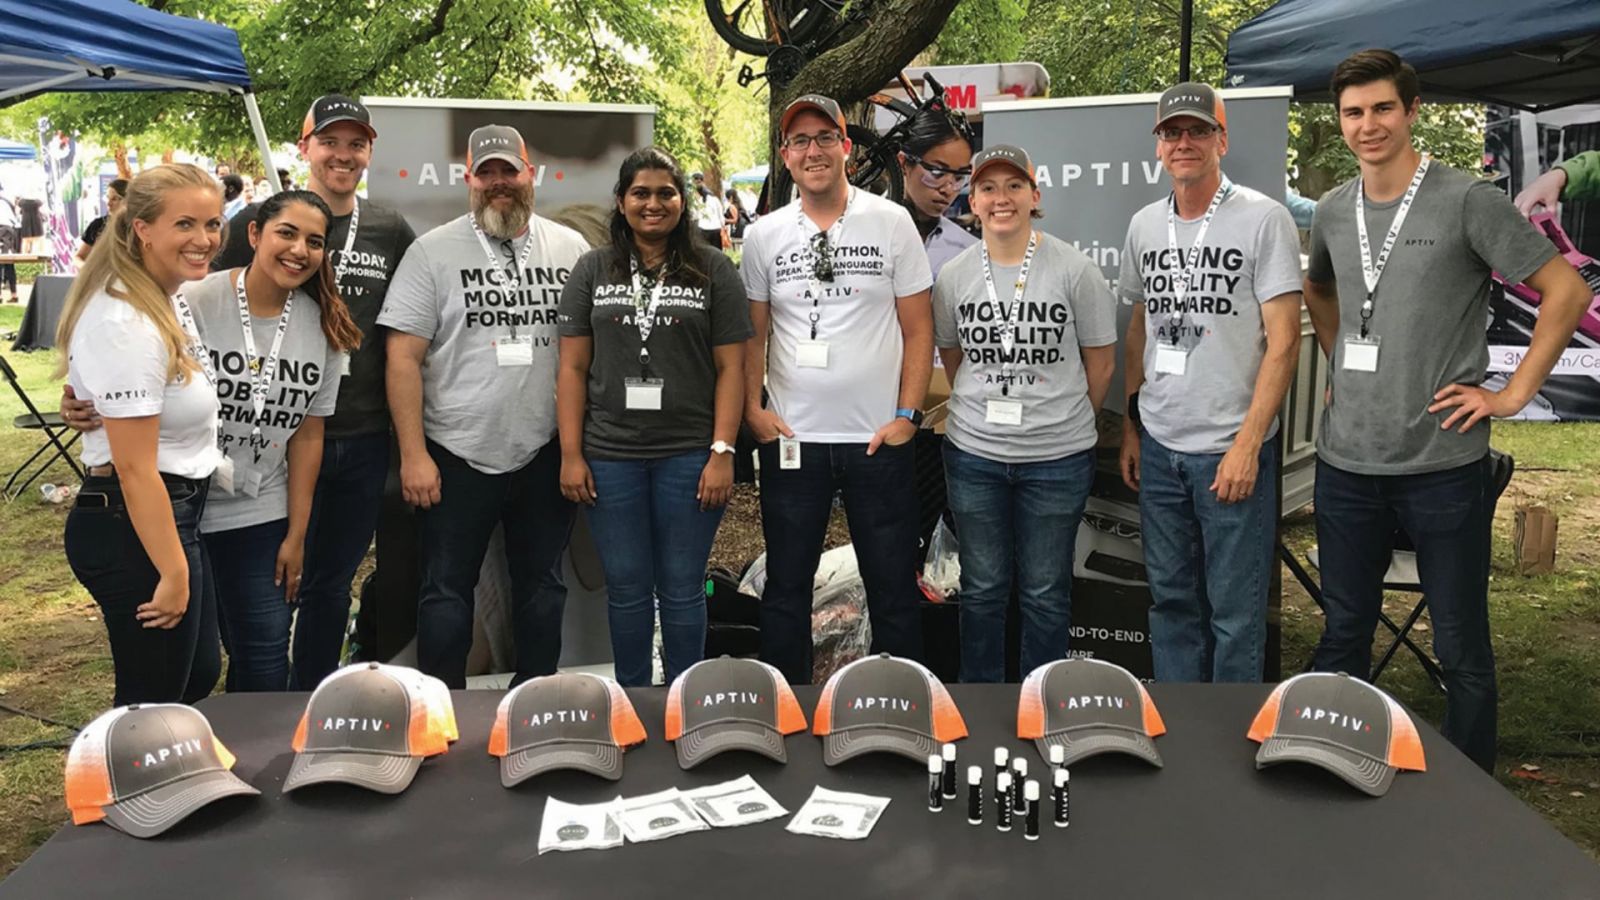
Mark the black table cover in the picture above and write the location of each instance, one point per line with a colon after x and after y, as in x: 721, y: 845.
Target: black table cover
x: 39, y: 320
x: 1206, y: 825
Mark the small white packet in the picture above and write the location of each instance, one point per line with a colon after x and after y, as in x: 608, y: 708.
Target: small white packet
x: 573, y: 826
x: 653, y: 817
x: 838, y: 814
x: 734, y: 803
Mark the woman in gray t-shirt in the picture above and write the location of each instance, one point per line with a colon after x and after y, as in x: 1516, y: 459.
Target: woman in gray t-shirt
x: 1026, y: 327
x: 648, y: 398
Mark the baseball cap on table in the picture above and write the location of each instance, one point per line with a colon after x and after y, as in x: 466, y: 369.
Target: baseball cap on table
x: 1342, y: 724
x: 144, y: 768
x: 331, y: 108
x: 731, y: 704
x: 1004, y: 154
x: 885, y: 703
x: 435, y: 694
x: 367, y: 725
x: 1088, y: 706
x: 496, y: 142
x: 1191, y: 98
x: 827, y: 106
x: 568, y: 721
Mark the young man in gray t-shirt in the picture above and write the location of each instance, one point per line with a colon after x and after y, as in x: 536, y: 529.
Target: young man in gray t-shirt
x: 1397, y: 289
x: 1213, y: 274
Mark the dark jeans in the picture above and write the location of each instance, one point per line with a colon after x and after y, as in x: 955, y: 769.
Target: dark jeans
x: 880, y: 505
x: 251, y: 611
x: 344, y: 516
x: 454, y: 539
x: 653, y: 540
x: 1018, y: 525
x: 152, y: 665
x: 1447, y: 516
x: 1209, y: 564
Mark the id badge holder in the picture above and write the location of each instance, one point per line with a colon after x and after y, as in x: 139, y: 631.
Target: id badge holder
x: 811, y: 355
x: 1360, y: 353
x: 1171, y: 359
x: 222, y: 478
x: 642, y: 393
x: 247, y: 480
x: 1001, y: 411
x: 788, y: 453
x: 344, y: 364
x: 513, y: 351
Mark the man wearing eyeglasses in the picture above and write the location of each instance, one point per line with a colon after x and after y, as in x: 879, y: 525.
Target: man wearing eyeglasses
x: 1213, y: 274
x: 838, y: 285
x: 471, y: 315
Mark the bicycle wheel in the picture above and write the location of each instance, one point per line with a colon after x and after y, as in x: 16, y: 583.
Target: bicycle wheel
x: 874, y: 166
x: 757, y: 27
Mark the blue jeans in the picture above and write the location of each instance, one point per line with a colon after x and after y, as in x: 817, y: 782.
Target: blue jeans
x: 1209, y: 564
x: 344, y: 516
x: 880, y: 505
x: 254, y: 617
x: 1017, y: 524
x: 1447, y: 516
x: 653, y: 540
x: 454, y: 538
x: 151, y: 665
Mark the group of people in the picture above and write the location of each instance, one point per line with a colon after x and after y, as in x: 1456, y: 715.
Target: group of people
x: 524, y: 374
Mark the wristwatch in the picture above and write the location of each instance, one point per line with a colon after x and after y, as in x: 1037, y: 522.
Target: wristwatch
x: 915, y: 415
x: 721, y: 447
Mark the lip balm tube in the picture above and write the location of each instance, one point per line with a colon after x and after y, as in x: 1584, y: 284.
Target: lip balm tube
x: 1019, y: 774
x: 935, y: 782
x: 1031, y: 791
x: 1062, y: 799
x: 1002, y: 802
x: 975, y: 795
x: 1002, y: 756
x: 949, y: 751
x: 1058, y: 756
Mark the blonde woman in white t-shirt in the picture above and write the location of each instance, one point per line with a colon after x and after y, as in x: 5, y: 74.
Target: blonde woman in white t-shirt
x: 132, y: 537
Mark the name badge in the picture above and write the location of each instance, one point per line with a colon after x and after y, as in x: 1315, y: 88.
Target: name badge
x: 1003, y: 412
x: 514, y: 351
x: 247, y: 479
x: 812, y: 354
x: 788, y: 453
x: 642, y: 393
x: 344, y: 364
x: 222, y: 478
x: 1360, y: 354
x: 1171, y: 360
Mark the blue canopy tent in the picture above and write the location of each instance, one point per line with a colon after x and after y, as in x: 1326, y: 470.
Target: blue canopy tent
x: 1532, y: 55
x: 118, y: 45
x: 12, y: 150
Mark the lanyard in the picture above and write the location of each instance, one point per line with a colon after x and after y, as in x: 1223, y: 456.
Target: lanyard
x: 645, y: 315
x: 1191, y: 260
x: 197, y: 347
x: 1010, y: 313
x: 513, y: 279
x: 1372, y: 271
x: 260, y: 378
x: 349, y: 245
x: 834, y: 232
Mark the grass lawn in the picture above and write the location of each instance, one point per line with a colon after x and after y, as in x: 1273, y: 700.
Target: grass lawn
x: 54, y: 660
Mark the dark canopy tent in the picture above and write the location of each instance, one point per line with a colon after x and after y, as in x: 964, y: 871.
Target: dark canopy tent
x: 118, y: 45
x: 1532, y: 54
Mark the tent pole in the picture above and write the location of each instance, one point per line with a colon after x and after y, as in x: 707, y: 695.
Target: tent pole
x: 1185, y: 39
x: 261, y: 140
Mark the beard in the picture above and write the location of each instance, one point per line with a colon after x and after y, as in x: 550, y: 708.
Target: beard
x: 503, y: 224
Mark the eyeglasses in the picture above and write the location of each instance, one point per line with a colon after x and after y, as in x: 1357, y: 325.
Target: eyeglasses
x: 1173, y: 134
x: 935, y: 175
x: 821, y: 257
x: 827, y: 140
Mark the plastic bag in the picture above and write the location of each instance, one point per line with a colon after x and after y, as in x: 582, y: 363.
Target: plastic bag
x: 840, y: 631
x: 941, y: 575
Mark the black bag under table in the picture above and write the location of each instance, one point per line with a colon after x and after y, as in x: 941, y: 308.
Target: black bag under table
x: 1207, y: 825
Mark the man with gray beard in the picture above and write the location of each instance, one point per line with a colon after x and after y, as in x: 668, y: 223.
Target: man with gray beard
x: 471, y: 377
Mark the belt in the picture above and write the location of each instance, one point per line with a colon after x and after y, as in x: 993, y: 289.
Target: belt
x: 105, y: 471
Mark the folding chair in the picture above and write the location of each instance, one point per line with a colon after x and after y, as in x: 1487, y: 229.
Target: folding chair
x: 1402, y: 576
x: 54, y: 429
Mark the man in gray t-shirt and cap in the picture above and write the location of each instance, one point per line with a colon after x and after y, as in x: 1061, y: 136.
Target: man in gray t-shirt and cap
x: 471, y: 315
x: 1213, y: 274
x: 1398, y: 289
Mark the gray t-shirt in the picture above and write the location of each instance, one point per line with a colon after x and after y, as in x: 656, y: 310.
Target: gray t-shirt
x: 598, y: 302
x: 1067, y: 305
x: 1251, y: 255
x: 306, y: 384
x: 495, y: 417
x: 1428, y: 312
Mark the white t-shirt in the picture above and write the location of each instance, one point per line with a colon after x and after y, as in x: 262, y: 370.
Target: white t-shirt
x: 306, y: 384
x: 711, y: 214
x: 877, y: 257
x: 118, y: 360
x: 495, y: 417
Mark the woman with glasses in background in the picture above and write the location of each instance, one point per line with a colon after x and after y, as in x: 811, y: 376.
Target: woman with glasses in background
x: 936, y: 162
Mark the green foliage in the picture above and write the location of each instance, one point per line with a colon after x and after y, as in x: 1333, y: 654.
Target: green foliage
x: 982, y: 31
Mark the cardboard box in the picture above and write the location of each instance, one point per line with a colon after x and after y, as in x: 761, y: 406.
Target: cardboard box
x: 1534, y: 540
